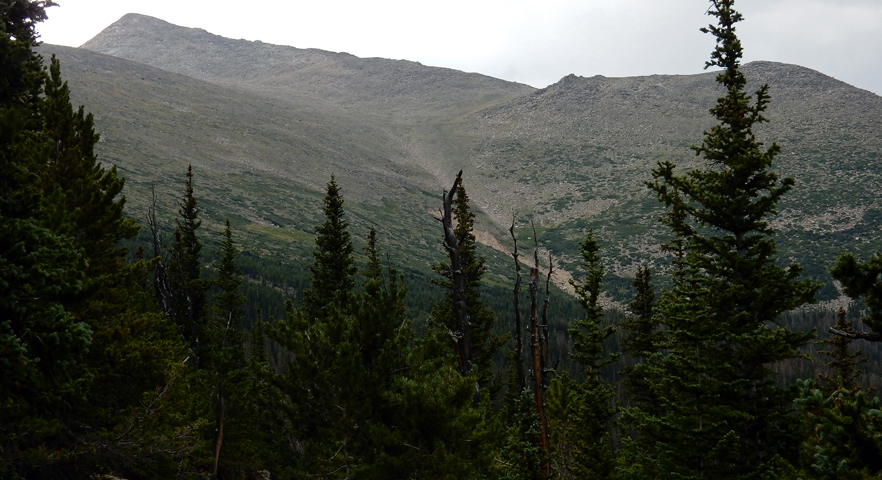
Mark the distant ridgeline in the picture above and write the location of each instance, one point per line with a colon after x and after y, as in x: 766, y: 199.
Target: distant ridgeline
x: 268, y: 267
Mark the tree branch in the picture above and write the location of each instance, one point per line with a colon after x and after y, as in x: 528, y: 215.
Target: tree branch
x: 868, y: 336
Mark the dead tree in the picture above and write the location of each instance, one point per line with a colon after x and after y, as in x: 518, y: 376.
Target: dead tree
x: 868, y: 336
x: 160, y: 276
x: 539, y: 354
x: 543, y: 328
x: 519, y: 341
x: 463, y: 335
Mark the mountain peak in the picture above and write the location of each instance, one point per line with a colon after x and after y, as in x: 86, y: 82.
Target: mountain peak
x: 329, y: 78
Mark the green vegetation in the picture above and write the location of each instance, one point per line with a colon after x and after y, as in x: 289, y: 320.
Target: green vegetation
x: 716, y: 410
x: 198, y: 349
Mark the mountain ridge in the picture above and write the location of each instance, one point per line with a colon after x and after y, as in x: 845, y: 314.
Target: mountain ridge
x: 569, y: 156
x: 310, y: 73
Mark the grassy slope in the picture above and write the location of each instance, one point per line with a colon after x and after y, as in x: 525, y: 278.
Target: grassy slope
x: 265, y: 126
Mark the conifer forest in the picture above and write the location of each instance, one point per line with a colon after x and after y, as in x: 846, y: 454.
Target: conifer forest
x: 139, y: 349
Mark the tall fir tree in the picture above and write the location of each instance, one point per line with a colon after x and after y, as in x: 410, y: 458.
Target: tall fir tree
x: 641, y: 339
x: 81, y: 348
x: 332, y: 274
x: 91, y: 204
x: 234, y: 453
x: 722, y: 416
x: 21, y: 79
x: 324, y: 377
x: 591, y: 411
x: 484, y: 340
x: 186, y: 287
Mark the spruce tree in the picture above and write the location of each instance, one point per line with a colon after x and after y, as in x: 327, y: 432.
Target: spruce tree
x: 230, y: 379
x: 381, y: 317
x: 90, y: 206
x: 842, y: 426
x: 21, y: 78
x: 861, y: 281
x: 722, y: 416
x: 41, y: 341
x: 81, y: 349
x: 187, y: 288
x: 591, y: 412
x: 640, y: 341
x: 332, y: 274
x: 324, y: 379
x: 484, y: 341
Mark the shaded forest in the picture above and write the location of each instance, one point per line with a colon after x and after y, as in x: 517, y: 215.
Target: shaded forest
x: 157, y: 349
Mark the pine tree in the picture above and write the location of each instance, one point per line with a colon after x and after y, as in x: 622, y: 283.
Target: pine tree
x: 521, y: 456
x: 187, y: 288
x: 843, y: 364
x: 592, y: 410
x: 381, y: 317
x: 722, y: 415
x: 332, y: 274
x: 21, y: 78
x: 483, y: 340
x: 325, y: 380
x: 861, y: 281
x: 229, y: 374
x: 90, y: 201
x: 80, y: 347
x: 41, y: 341
x: 842, y: 427
x: 640, y: 343
x: 641, y: 324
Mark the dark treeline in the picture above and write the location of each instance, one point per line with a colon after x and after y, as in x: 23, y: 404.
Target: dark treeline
x: 163, y: 350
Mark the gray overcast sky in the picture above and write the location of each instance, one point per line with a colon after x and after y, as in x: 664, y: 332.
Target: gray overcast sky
x: 526, y: 41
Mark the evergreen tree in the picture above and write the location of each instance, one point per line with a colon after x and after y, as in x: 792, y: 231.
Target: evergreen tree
x: 640, y: 343
x: 332, y: 274
x: 323, y: 379
x: 521, y: 456
x: 81, y: 351
x: 21, y: 78
x: 591, y: 411
x: 234, y: 412
x: 186, y: 287
x: 861, y: 281
x: 722, y: 416
x: 40, y: 340
x: 89, y: 206
x: 484, y: 341
x: 842, y: 426
x: 843, y: 364
x: 381, y: 317
x: 345, y: 352
x: 437, y: 431
x: 642, y: 323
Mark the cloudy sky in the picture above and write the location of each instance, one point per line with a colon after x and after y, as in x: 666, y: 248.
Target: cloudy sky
x: 526, y: 41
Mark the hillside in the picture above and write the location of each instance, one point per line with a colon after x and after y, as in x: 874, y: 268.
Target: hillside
x: 267, y: 125
x: 603, y: 135
x: 388, y: 87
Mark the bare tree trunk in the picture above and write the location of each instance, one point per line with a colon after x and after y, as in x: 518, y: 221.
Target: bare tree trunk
x: 538, y: 366
x: 463, y: 335
x: 160, y: 279
x: 221, y: 414
x: 543, y: 330
x: 868, y: 336
x: 519, y: 341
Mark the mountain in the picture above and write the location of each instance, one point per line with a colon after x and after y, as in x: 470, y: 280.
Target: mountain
x: 265, y: 126
x: 384, y: 87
